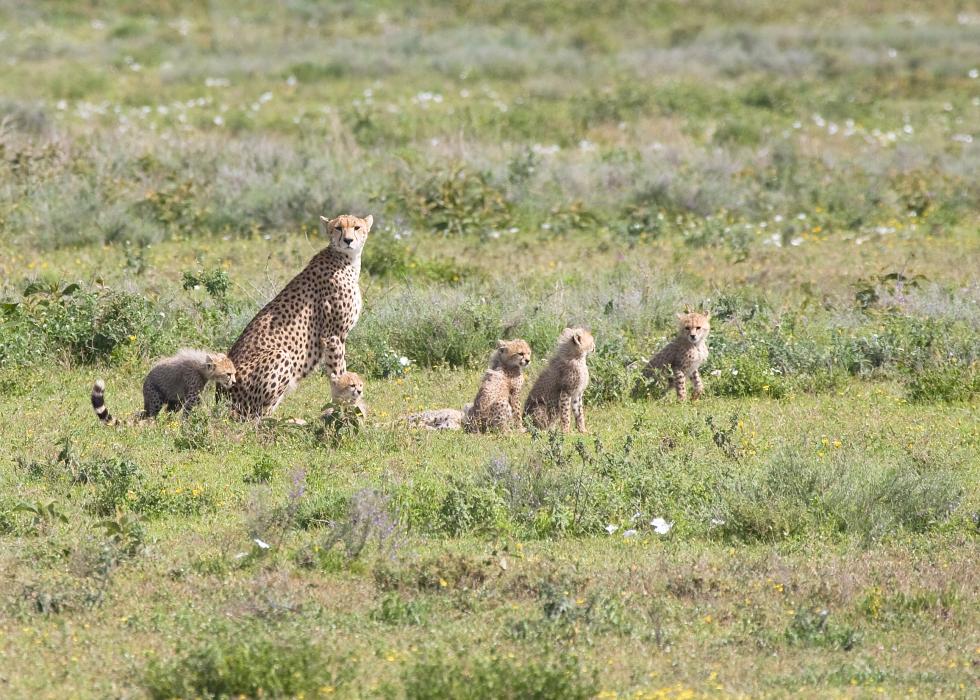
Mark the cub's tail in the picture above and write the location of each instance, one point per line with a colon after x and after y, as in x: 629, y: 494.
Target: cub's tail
x: 98, y: 403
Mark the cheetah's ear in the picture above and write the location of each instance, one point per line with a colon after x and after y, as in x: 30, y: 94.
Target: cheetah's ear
x: 577, y: 337
x: 680, y: 317
x: 501, y: 344
x: 210, y: 363
x: 369, y: 220
x: 324, y: 225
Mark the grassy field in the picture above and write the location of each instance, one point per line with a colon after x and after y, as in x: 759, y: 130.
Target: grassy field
x: 807, y: 171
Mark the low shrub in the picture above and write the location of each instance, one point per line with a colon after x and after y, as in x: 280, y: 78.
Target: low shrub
x: 946, y: 382
x: 842, y: 493
x: 243, y: 662
x: 548, y: 676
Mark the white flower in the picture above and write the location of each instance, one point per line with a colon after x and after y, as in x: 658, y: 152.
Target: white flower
x: 796, y: 241
x: 636, y: 516
x: 974, y: 73
x: 661, y: 526
x: 291, y: 80
x: 261, y: 543
x: 734, y: 372
x: 716, y: 373
x: 610, y: 528
x: 218, y: 120
x: 629, y: 533
x: 404, y: 361
x: 715, y: 522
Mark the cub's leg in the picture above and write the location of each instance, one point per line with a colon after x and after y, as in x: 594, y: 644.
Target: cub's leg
x: 152, y: 400
x: 578, y: 408
x: 697, y: 385
x: 565, y: 411
x: 680, y: 384
x: 194, y: 388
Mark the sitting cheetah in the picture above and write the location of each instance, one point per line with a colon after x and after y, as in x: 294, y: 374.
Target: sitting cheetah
x: 497, y: 404
x: 176, y: 382
x: 557, y: 393
x: 347, y: 390
x: 684, y: 355
x: 305, y: 324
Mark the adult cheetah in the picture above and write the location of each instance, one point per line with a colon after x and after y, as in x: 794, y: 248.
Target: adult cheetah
x: 306, y: 324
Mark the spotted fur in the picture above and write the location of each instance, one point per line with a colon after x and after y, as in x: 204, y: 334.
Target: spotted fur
x: 557, y: 392
x: 305, y: 325
x: 684, y: 355
x: 175, y: 382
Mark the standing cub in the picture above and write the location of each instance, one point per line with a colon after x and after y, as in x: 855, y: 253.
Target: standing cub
x: 684, y: 355
x: 557, y: 393
x: 175, y: 382
x: 497, y: 404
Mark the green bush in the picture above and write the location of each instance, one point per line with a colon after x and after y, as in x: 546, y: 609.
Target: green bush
x: 547, y: 677
x: 840, y: 493
x: 948, y: 382
x: 243, y: 662
x: 746, y: 375
x: 81, y: 325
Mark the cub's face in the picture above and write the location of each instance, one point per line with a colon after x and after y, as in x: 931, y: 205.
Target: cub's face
x: 347, y: 233
x: 694, y: 327
x: 221, y: 369
x: 579, y: 339
x: 347, y: 388
x: 514, y: 353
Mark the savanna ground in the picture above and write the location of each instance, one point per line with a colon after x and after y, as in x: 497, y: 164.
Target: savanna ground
x: 805, y: 170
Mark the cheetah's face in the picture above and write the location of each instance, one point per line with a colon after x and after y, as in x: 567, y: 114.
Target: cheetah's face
x: 221, y: 369
x: 694, y: 327
x: 347, y: 233
x: 578, y: 341
x: 514, y: 353
x: 347, y: 388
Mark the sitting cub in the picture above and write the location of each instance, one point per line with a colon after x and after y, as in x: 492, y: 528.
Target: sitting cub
x: 497, y: 403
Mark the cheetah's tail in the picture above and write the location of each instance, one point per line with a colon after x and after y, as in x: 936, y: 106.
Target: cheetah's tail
x: 98, y: 403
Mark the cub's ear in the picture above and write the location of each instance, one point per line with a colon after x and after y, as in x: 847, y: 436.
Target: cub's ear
x: 324, y: 225
x: 369, y: 220
x: 210, y: 363
x: 680, y: 317
x: 707, y: 315
x: 501, y: 344
x: 577, y: 337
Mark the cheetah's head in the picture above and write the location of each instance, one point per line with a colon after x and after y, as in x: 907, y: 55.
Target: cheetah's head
x: 576, y: 342
x: 347, y: 388
x: 347, y: 233
x: 512, y: 354
x: 693, y: 326
x: 221, y: 369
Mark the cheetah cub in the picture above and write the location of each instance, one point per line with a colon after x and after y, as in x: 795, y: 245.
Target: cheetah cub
x: 684, y: 355
x: 497, y: 405
x: 175, y: 382
x: 347, y: 390
x: 557, y: 393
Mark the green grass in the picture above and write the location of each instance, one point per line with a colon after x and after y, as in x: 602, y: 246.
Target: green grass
x: 800, y: 169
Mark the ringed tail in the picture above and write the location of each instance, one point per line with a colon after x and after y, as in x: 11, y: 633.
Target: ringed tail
x: 98, y: 402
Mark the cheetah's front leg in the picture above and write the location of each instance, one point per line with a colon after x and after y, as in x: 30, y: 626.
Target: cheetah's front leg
x: 680, y: 384
x: 515, y: 408
x: 578, y: 408
x: 697, y: 385
x: 334, y: 355
x: 565, y: 411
